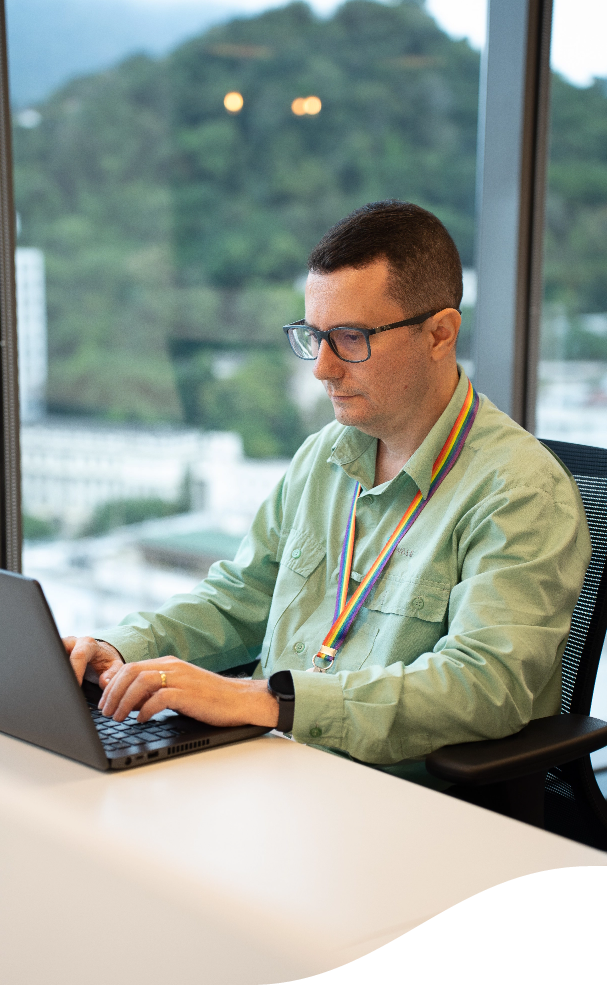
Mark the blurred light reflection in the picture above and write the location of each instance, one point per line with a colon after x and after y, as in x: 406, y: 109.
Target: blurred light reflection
x: 233, y: 102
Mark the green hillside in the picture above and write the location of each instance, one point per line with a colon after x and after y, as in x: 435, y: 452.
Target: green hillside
x: 576, y: 221
x: 172, y: 229
x: 174, y: 232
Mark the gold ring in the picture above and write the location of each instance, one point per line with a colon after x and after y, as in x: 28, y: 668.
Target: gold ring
x: 163, y: 678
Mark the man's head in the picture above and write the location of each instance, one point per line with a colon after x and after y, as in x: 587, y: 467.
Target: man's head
x: 385, y: 263
x: 425, y: 268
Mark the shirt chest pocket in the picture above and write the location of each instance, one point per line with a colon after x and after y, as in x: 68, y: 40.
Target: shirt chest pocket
x: 403, y: 619
x: 418, y: 599
x: 300, y: 560
x: 302, y: 553
x: 301, y: 573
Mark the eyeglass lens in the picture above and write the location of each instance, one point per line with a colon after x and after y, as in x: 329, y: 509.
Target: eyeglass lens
x: 350, y: 344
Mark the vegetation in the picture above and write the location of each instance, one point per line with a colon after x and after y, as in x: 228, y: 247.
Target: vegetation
x: 576, y: 222
x: 122, y: 512
x: 576, y: 233
x: 174, y: 231
x: 36, y: 529
x: 165, y: 220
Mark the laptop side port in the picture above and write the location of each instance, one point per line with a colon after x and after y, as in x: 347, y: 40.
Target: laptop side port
x: 153, y: 755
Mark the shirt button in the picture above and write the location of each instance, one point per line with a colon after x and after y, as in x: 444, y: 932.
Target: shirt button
x: 316, y: 732
x: 296, y: 553
x: 299, y: 647
x: 370, y: 500
x: 418, y: 602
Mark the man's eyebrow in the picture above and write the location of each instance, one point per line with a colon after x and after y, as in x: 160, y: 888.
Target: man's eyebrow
x: 341, y: 324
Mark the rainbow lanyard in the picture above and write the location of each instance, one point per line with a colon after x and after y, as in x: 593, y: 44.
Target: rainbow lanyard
x: 346, y: 612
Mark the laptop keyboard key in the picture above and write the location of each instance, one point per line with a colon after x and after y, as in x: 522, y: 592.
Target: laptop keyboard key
x: 130, y: 734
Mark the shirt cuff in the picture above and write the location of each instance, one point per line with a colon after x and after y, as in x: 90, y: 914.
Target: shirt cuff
x: 319, y: 709
x: 129, y: 643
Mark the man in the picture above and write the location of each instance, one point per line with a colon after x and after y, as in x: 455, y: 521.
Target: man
x: 461, y: 635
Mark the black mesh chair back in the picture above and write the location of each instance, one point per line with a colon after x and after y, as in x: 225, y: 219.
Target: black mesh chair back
x: 575, y: 806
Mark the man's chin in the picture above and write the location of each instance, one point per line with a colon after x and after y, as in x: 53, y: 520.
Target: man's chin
x: 347, y: 413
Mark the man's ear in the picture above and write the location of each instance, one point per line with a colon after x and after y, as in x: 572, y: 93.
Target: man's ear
x: 444, y: 330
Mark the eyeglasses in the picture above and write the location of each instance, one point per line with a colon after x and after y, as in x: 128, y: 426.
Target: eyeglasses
x: 349, y: 344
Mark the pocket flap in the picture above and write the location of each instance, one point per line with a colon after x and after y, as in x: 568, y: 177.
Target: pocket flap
x: 422, y: 599
x: 302, y: 553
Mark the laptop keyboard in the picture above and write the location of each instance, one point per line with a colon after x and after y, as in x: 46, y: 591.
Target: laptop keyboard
x: 130, y: 733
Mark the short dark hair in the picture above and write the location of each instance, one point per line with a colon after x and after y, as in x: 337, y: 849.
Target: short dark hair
x: 426, y: 267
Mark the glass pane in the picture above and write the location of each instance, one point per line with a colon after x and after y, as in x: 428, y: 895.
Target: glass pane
x: 174, y: 165
x: 572, y: 391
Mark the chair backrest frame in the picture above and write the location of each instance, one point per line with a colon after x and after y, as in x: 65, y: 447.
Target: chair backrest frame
x: 586, y: 462
x: 575, y: 806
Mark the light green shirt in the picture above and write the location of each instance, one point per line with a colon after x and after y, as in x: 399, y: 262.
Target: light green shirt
x: 463, y: 635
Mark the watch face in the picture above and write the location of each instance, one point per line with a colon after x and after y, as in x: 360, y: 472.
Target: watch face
x: 281, y: 684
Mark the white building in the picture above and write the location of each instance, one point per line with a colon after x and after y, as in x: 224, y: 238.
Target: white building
x: 31, y: 332
x: 231, y: 489
x: 70, y: 468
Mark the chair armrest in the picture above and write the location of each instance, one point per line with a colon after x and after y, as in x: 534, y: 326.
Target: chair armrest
x: 540, y: 745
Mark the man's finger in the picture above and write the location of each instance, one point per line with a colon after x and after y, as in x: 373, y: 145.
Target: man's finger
x: 142, y: 688
x: 130, y: 693
x: 80, y: 655
x: 162, y: 699
x: 118, y: 683
x: 120, y: 675
x: 108, y: 675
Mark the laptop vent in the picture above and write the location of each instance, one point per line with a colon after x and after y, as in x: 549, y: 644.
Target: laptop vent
x: 173, y: 750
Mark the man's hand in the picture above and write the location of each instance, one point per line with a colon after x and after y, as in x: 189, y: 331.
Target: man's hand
x: 104, y: 658
x: 150, y: 686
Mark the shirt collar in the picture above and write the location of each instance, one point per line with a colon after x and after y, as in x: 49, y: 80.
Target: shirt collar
x: 355, y: 452
x: 419, y: 466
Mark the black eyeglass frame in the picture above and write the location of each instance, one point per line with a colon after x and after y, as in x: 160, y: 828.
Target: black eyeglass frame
x: 366, y: 332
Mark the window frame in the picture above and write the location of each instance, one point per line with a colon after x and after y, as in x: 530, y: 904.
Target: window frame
x: 512, y: 159
x: 10, y: 466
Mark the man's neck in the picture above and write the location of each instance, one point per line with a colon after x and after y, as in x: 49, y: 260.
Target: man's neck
x: 395, y: 450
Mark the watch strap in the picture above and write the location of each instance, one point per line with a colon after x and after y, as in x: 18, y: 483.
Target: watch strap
x: 280, y: 686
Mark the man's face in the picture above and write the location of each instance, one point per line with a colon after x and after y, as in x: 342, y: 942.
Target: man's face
x: 378, y: 396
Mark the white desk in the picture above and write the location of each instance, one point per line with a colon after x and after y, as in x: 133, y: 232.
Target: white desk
x: 256, y: 863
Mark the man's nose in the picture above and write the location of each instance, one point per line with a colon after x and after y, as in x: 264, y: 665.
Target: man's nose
x: 327, y: 366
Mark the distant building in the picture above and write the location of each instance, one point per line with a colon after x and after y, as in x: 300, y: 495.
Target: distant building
x: 71, y: 467
x: 31, y: 332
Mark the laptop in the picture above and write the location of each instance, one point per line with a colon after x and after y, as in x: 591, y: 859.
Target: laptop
x: 42, y: 702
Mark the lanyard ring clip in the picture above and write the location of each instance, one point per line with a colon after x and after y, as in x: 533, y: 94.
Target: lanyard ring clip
x: 325, y: 653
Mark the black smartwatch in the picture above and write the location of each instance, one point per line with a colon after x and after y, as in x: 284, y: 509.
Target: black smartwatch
x: 280, y: 686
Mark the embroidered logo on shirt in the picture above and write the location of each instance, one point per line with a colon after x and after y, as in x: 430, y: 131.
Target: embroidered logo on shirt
x: 404, y: 551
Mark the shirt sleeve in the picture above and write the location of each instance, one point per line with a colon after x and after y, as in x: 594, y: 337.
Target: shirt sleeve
x: 522, y: 558
x: 221, y: 623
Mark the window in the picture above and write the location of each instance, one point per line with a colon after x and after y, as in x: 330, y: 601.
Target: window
x: 572, y: 372
x: 572, y: 391
x: 170, y: 180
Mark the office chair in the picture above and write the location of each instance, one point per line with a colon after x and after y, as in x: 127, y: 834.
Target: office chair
x: 542, y: 774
